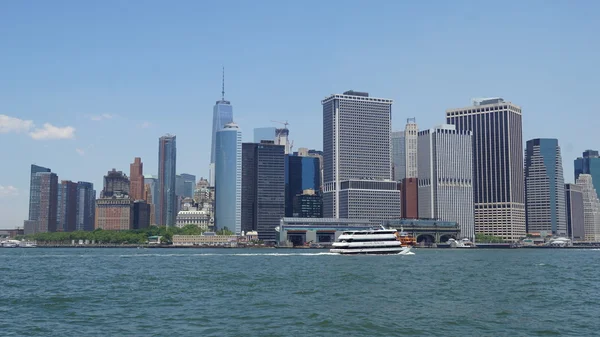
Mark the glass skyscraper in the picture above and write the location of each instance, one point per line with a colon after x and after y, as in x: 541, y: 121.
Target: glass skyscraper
x: 34, y: 195
x: 228, y: 179
x: 589, y: 163
x: 222, y: 115
x: 301, y: 173
x: 399, y: 155
x: 166, y: 212
x: 544, y: 187
x: 86, y: 206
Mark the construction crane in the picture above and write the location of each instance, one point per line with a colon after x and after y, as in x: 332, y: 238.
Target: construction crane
x: 285, y: 124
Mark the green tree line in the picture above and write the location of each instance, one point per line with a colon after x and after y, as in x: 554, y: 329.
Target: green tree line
x: 483, y: 238
x: 137, y: 236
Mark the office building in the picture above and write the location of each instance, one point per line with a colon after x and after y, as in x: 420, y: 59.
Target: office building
x: 141, y: 214
x: 301, y: 173
x: 589, y: 163
x: 411, y: 144
x: 409, y: 190
x: 152, y: 197
x: 498, y: 185
x: 189, y: 184
x: 136, y: 179
x: 86, y: 206
x: 575, y: 213
x: 115, y: 182
x: 222, y: 115
x: 114, y: 212
x: 445, y: 170
x: 265, y: 133
x: 263, y: 188
x: 66, y: 215
x: 228, y: 179
x: 150, y: 202
x: 357, y: 163
x: 398, y: 155
x: 591, y: 208
x: 166, y: 212
x: 307, y: 204
x: 544, y: 187
x: 34, y: 194
x: 48, y: 201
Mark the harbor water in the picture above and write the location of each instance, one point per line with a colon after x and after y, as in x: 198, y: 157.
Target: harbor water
x: 286, y: 292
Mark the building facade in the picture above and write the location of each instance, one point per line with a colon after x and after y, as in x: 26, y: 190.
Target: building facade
x: 398, y: 155
x: 589, y: 163
x: 308, y: 204
x: 152, y: 185
x: 228, y: 179
x: 575, y: 212
x: 86, y: 206
x: 222, y: 115
x: 189, y: 184
x: 301, y: 173
x: 166, y: 212
x: 136, y: 179
x: 409, y: 188
x: 115, y: 182
x: 591, y: 208
x: 48, y: 205
x: 263, y: 188
x: 544, y: 187
x: 498, y: 185
x: 34, y: 192
x: 114, y: 213
x: 141, y: 214
x: 445, y: 170
x: 357, y: 152
x: 66, y: 215
x: 411, y: 144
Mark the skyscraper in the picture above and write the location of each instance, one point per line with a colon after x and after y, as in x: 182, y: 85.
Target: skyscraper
x: 228, y: 179
x: 411, y: 147
x: 301, y: 173
x: 48, y: 183
x: 153, y: 197
x: 544, y: 187
x: 399, y: 155
x: 34, y: 195
x: 66, y: 216
x: 263, y: 188
x: 591, y: 208
x: 264, y: 133
x: 222, y: 115
x: 189, y: 184
x: 499, y: 187
x: 445, y: 170
x: 86, y: 206
x: 589, y: 163
x: 167, y: 166
x: 115, y: 182
x: 357, y: 154
x: 574, y: 206
x: 136, y: 179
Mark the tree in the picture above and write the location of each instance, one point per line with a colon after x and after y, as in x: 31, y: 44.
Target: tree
x: 224, y: 231
x: 483, y: 238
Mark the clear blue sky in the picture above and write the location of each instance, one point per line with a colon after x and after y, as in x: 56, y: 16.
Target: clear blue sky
x: 123, y: 73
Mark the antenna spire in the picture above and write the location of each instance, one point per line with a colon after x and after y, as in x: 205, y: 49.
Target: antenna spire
x: 223, y: 86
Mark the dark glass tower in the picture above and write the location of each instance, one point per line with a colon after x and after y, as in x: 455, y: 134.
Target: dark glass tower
x: 86, y: 206
x: 301, y: 173
x: 589, y: 163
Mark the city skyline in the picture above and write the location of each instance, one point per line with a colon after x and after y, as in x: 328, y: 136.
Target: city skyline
x: 93, y: 102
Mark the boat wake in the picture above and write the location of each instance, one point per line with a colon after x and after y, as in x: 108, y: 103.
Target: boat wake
x: 232, y: 254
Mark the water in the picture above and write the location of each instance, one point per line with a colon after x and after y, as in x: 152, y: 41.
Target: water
x: 243, y: 292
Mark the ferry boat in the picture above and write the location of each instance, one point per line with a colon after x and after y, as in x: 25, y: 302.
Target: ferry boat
x: 374, y: 241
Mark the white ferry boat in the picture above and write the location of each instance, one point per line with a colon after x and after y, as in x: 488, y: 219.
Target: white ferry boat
x: 374, y: 241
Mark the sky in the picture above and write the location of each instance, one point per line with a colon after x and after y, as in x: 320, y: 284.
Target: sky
x: 86, y: 86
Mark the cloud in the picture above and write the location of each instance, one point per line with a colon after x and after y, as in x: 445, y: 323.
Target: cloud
x: 145, y: 125
x: 12, y: 124
x: 50, y: 131
x: 102, y: 117
x: 8, y: 191
x: 79, y: 151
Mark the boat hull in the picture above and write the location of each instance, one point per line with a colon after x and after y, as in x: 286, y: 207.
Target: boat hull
x: 357, y: 251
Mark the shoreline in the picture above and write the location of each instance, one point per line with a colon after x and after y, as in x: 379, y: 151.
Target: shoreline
x: 295, y: 248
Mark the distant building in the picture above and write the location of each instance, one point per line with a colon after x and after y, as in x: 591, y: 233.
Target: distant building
x: 115, y: 212
x: 222, y: 115
x: 589, y: 163
x: 265, y: 133
x: 357, y: 166
x: 398, y: 155
x: 189, y: 184
x: 301, y: 173
x: 141, y: 214
x: 263, y: 188
x: 409, y: 198
x: 228, y: 179
x: 411, y: 148
x: 591, y: 208
x: 575, y: 212
x: 48, y: 197
x: 66, y: 216
x: 86, y: 206
x: 115, y: 182
x: 193, y: 217
x: 166, y: 212
x: 445, y: 170
x: 308, y: 204
x: 148, y: 199
x: 544, y: 187
x: 498, y: 185
x: 34, y: 195
x: 136, y: 179
x: 151, y: 183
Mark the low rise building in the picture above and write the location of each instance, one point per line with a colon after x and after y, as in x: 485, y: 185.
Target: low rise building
x: 206, y: 239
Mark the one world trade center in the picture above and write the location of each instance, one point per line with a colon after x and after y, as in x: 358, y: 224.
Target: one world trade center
x: 222, y: 115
